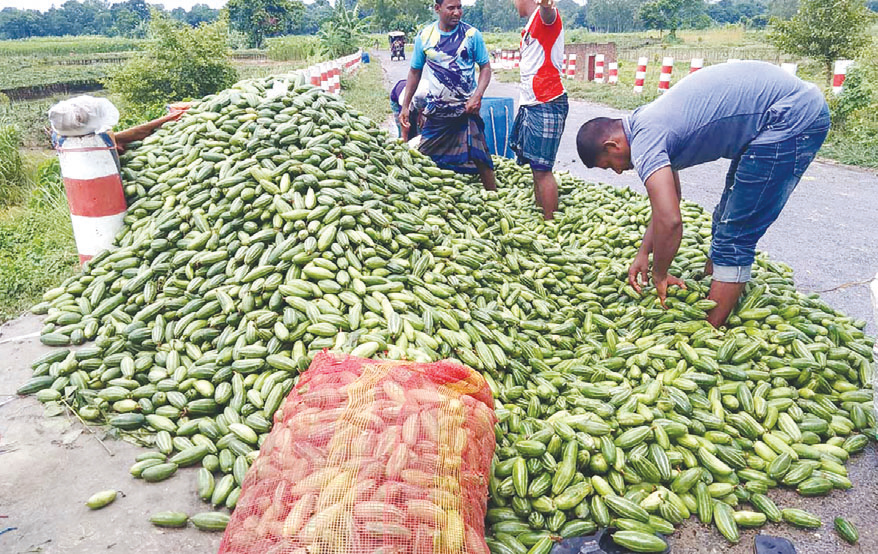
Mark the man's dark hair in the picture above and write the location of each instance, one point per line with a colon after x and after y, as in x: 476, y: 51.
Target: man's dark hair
x: 591, y: 137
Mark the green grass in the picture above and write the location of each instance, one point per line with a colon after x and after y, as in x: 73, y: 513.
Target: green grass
x: 853, y: 147
x: 620, y: 96
x: 720, y: 37
x: 295, y: 47
x: 65, y: 46
x: 36, y: 72
x: 857, y: 145
x: 365, y: 92
x: 255, y: 70
x: 37, y: 250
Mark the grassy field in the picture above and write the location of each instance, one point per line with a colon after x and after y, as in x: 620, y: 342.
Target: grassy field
x: 365, y: 91
x: 37, y: 67
x: 297, y: 48
x: 35, y: 73
x: 66, y: 46
x: 733, y: 36
x: 622, y: 95
x: 256, y: 69
x: 36, y: 241
x: 857, y: 145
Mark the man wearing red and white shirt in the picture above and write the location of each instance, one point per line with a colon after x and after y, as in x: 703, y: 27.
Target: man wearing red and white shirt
x: 543, y: 107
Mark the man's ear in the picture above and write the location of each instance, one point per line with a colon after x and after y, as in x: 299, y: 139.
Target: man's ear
x: 611, y: 146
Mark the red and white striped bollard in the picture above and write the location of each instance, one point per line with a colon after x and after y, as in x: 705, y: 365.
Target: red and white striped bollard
x: 613, y: 76
x: 665, y: 76
x: 336, y: 77
x: 94, y: 191
x: 599, y: 68
x: 839, y: 73
x: 696, y: 64
x: 571, y: 66
x: 325, y: 76
x: 640, y: 75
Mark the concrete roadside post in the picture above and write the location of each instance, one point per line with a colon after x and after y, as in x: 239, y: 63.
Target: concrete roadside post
x: 665, y: 76
x: 613, y: 76
x: 90, y: 171
x: 640, y: 74
x: 838, y: 75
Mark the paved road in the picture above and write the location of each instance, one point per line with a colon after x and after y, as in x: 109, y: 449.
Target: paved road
x: 828, y: 232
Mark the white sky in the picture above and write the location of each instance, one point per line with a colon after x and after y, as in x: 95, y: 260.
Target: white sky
x: 44, y: 5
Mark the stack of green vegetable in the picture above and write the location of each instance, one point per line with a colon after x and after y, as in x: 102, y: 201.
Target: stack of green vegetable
x: 263, y: 228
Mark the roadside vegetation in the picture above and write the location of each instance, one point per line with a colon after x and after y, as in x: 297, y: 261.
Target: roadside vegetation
x: 365, y: 91
x: 37, y: 250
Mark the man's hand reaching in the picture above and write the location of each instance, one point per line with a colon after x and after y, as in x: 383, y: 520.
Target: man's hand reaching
x: 662, y: 282
x: 638, y: 273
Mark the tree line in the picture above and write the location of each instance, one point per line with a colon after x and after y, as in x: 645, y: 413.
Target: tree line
x: 129, y: 18
x: 259, y: 19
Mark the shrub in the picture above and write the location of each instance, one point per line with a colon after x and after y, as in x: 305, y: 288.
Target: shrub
x: 179, y: 62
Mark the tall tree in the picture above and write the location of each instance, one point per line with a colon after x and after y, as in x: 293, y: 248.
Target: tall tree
x: 201, y: 13
x: 493, y: 15
x: 259, y: 19
x: 614, y: 16
x: 401, y: 15
x: 344, y: 32
x: 315, y: 14
x: 783, y: 9
x: 669, y: 14
x: 733, y: 11
x: 824, y: 31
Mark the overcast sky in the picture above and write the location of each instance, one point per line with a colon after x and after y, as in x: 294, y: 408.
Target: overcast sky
x: 44, y: 5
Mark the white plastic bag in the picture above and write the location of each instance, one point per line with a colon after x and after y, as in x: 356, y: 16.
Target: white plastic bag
x: 83, y: 115
x: 278, y: 89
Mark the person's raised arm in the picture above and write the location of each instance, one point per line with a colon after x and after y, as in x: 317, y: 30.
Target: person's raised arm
x: 547, y: 11
x: 143, y: 130
x: 667, y: 227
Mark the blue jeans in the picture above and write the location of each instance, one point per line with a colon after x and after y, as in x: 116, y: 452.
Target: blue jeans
x: 758, y: 185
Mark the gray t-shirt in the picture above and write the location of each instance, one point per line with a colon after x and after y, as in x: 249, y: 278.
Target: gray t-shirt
x: 717, y: 112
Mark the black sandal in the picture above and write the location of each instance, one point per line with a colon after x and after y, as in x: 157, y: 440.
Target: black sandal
x: 766, y: 544
x: 600, y: 542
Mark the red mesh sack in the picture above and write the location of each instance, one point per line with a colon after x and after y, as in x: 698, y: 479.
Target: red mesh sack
x: 377, y: 457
